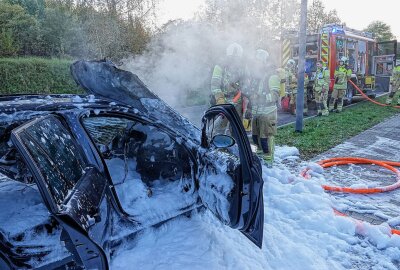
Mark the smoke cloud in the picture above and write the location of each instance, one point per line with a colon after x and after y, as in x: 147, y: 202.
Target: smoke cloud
x: 181, y: 58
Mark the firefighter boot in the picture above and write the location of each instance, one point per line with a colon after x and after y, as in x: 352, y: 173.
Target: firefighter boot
x: 324, y: 108
x: 389, y: 99
x: 332, y: 105
x: 292, y: 109
x: 305, y: 108
x: 256, y: 142
x: 319, y: 109
x: 267, y: 145
x: 339, y: 105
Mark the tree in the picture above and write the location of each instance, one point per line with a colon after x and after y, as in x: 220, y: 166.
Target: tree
x: 380, y: 30
x: 261, y: 20
x: 18, y: 30
x: 318, y: 17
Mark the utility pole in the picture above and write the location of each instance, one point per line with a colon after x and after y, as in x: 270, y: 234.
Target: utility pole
x: 301, y: 66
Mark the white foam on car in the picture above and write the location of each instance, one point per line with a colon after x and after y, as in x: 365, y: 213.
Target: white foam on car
x: 166, y: 200
x: 300, y: 232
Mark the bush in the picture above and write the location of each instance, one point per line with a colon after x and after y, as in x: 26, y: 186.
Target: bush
x: 36, y: 76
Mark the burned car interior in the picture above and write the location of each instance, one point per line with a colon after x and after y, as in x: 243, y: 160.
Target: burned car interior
x: 90, y: 172
x: 147, y: 165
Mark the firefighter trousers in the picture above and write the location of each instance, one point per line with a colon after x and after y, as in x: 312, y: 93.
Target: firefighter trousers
x: 292, y: 104
x: 337, y: 96
x: 392, y: 93
x: 264, y: 129
x: 321, y: 99
x: 221, y: 122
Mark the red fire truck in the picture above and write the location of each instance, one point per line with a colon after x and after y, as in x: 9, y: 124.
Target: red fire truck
x: 370, y: 61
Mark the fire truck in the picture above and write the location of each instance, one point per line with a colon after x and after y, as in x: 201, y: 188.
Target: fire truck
x: 371, y: 62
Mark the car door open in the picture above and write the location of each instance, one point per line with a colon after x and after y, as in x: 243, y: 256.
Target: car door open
x: 230, y: 177
x: 73, y: 190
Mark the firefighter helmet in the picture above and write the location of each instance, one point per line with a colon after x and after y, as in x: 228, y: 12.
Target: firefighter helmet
x: 290, y: 63
x: 235, y: 50
x: 262, y: 55
x: 344, y: 60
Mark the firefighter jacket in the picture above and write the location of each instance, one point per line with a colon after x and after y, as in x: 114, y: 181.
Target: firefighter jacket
x: 321, y: 80
x: 306, y: 82
x: 342, y: 74
x: 282, y: 77
x: 395, y: 78
x: 291, y: 82
x: 226, y: 83
x: 265, y: 94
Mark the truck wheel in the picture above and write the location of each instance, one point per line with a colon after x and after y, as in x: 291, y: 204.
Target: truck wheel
x: 349, y: 95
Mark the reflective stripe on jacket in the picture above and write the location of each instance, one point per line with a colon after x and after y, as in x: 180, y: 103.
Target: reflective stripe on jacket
x: 321, y: 79
x: 264, y: 102
x: 342, y: 74
x: 226, y: 83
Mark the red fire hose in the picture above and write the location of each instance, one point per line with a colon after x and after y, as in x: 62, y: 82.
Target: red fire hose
x: 373, y: 101
x: 355, y: 160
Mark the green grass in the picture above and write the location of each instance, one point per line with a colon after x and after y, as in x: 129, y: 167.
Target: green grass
x: 322, y: 133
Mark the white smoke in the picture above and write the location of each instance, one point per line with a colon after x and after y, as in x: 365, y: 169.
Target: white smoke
x: 181, y: 58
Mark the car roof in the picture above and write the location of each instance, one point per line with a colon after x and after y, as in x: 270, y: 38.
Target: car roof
x: 12, y: 103
x: 15, y: 108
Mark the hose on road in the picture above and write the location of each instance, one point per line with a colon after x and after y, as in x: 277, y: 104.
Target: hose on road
x: 390, y: 165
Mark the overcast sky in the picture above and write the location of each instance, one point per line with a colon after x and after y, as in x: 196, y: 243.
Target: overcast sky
x: 356, y: 13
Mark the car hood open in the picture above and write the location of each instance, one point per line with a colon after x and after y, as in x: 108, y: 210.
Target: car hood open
x: 104, y: 79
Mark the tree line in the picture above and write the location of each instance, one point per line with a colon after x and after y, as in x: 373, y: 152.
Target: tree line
x: 121, y: 28
x: 70, y: 28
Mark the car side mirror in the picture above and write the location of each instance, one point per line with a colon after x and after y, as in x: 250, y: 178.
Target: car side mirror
x: 222, y: 141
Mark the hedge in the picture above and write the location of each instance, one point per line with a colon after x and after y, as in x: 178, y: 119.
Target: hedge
x: 36, y: 76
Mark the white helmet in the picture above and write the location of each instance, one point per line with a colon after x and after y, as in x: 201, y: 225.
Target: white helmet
x: 343, y: 59
x: 262, y: 55
x: 234, y: 49
x: 291, y: 63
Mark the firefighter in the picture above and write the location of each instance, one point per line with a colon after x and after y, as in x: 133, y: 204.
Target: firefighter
x: 394, y: 86
x: 282, y: 76
x: 342, y: 75
x: 321, y: 87
x: 305, y: 104
x: 264, y: 89
x: 227, y: 81
x: 291, y: 84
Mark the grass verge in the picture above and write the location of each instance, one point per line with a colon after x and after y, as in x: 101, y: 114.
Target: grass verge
x: 322, y: 133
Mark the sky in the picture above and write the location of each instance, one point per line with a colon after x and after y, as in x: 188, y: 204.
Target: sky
x: 356, y: 13
x: 178, y: 9
x: 359, y: 13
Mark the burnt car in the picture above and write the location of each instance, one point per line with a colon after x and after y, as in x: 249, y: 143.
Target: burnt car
x: 82, y: 175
